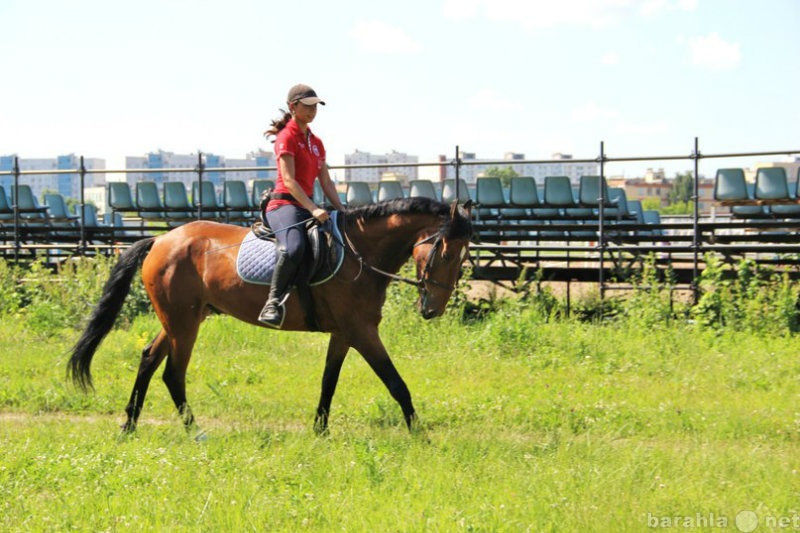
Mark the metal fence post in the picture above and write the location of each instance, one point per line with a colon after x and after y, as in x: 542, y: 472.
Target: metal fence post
x: 199, y: 199
x: 15, y: 207
x: 601, y: 234
x: 83, y: 208
x: 695, y: 220
x: 458, y: 171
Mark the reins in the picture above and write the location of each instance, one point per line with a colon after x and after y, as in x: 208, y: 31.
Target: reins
x: 419, y: 283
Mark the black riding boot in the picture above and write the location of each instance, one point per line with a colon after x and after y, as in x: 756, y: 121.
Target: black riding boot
x: 273, y: 312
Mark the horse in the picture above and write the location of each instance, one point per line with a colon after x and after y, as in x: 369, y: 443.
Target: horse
x: 189, y: 272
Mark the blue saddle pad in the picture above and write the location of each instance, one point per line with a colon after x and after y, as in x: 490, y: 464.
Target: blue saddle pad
x: 256, y: 260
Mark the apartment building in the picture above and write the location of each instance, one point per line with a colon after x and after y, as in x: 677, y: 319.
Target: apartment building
x: 188, y: 164
x: 560, y: 165
x: 374, y: 175
x: 67, y: 184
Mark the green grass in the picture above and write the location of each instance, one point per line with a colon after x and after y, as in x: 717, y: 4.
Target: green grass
x: 526, y: 426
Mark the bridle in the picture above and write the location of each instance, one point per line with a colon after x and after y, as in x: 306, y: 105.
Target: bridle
x: 420, y: 283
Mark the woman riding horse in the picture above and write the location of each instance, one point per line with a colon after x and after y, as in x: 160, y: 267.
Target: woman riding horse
x: 301, y: 160
x: 190, y: 272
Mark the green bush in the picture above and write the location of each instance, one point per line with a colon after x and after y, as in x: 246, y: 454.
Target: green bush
x: 51, y: 299
x: 756, y: 299
x: 651, y: 303
x: 10, y: 291
x: 753, y: 298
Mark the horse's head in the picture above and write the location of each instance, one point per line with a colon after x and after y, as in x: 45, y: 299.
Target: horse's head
x: 439, y: 255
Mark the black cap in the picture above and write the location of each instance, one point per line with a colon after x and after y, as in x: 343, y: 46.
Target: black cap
x: 305, y: 94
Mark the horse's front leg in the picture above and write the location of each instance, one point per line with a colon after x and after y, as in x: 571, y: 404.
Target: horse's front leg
x: 371, y: 348
x: 337, y: 350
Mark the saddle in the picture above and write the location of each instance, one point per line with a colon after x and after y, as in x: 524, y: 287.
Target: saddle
x: 257, y: 256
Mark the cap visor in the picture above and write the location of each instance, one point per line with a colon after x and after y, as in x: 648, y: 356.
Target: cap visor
x: 311, y: 100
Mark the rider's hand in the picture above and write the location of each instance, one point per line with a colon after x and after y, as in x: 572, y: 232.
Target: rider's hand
x: 321, y: 215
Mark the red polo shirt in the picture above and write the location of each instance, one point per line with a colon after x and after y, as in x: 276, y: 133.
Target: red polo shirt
x: 309, y: 156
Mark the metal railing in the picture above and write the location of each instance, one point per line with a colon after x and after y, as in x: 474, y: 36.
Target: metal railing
x: 695, y: 156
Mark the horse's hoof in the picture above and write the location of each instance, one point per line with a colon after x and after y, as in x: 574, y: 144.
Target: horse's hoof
x: 128, y: 431
x: 321, y: 425
x: 201, y: 436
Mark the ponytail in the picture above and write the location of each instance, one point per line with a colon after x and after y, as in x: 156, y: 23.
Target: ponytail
x: 277, y: 125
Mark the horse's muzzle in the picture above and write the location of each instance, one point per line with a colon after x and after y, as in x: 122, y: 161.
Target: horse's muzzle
x: 428, y: 311
x: 427, y: 314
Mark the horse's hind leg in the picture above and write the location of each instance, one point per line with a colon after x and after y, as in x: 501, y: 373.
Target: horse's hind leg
x: 152, y: 356
x: 180, y: 352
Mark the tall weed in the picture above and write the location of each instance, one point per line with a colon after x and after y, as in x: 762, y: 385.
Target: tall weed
x: 652, y: 303
x: 756, y: 299
x: 52, y: 299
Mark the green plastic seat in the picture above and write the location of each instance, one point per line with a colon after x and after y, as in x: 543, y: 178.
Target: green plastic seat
x: 148, y: 201
x: 236, y: 201
x: 259, y: 186
x: 449, y: 191
x: 27, y: 204
x: 211, y: 206
x: 423, y: 188
x: 58, y: 212
x: 120, y: 197
x: 389, y: 190
x: 176, y: 201
x: 771, y: 184
x: 6, y: 213
x: 730, y: 185
x: 558, y: 192
x: 358, y: 193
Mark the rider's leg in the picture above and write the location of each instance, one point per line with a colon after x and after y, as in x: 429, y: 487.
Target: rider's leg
x: 292, y: 242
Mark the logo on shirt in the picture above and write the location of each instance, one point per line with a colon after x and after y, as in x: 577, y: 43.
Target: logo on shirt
x: 315, y: 149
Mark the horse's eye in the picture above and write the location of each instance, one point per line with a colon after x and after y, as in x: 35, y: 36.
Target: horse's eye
x: 446, y: 256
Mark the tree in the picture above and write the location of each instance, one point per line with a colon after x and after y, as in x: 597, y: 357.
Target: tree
x: 682, y: 188
x: 504, y: 173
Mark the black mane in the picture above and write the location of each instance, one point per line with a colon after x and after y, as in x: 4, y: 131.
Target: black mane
x: 454, y: 229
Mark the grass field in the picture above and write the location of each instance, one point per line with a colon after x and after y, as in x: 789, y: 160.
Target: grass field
x: 526, y: 426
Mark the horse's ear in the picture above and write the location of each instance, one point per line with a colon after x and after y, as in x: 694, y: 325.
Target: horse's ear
x: 467, y: 208
x: 453, y: 209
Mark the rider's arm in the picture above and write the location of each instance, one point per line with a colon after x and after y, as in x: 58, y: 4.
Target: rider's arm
x: 286, y: 163
x: 329, y: 188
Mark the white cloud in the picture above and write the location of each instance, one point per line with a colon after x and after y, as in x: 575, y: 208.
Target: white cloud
x: 460, y: 9
x: 488, y: 99
x: 383, y: 38
x: 590, y: 112
x: 713, y: 52
x: 644, y: 128
x: 651, y: 8
x: 549, y: 13
x: 610, y: 58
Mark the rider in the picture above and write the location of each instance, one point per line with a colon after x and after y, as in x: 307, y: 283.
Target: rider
x: 301, y: 159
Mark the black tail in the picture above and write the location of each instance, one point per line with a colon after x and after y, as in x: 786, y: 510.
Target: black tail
x: 106, y: 312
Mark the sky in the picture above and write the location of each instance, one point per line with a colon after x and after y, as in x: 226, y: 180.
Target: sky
x: 106, y: 79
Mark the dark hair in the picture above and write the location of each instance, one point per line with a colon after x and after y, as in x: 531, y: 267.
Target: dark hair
x: 276, y: 125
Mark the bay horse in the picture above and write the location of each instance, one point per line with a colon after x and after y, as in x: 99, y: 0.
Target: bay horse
x: 189, y: 272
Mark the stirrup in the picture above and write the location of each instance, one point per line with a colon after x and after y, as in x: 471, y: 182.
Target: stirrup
x: 272, y: 315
